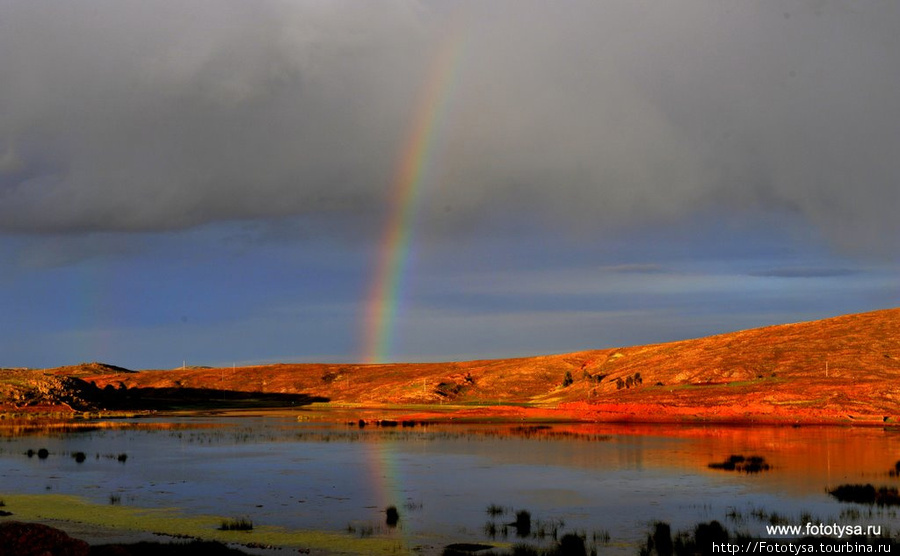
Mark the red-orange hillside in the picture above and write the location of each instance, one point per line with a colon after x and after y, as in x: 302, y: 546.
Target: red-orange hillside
x: 842, y: 369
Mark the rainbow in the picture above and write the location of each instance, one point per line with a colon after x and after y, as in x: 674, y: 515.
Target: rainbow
x: 411, y: 176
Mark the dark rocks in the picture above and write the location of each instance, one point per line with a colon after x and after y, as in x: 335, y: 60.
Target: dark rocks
x: 34, y: 539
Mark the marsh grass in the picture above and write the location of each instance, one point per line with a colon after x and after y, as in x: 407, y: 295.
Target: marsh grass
x: 32, y: 507
x: 238, y: 524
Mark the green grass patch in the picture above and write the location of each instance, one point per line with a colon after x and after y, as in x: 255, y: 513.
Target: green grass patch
x: 169, y: 521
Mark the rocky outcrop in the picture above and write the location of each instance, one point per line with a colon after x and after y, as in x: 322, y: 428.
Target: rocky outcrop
x: 34, y: 539
x: 26, y: 388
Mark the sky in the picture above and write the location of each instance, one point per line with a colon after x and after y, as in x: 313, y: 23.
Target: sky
x: 228, y: 182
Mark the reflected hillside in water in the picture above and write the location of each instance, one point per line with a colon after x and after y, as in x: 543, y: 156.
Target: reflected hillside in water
x: 801, y: 460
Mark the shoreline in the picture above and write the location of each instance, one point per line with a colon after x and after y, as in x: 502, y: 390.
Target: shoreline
x: 42, y: 417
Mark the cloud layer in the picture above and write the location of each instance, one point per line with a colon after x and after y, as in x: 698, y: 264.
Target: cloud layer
x: 135, y: 116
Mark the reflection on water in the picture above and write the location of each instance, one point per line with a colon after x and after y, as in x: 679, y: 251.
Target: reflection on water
x: 441, y: 478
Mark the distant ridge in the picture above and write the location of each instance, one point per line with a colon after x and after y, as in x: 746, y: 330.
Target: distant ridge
x: 92, y: 368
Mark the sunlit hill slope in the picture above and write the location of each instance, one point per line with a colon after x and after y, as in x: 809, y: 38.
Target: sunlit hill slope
x: 845, y: 368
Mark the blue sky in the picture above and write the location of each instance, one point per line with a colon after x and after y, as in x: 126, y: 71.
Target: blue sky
x: 210, y: 184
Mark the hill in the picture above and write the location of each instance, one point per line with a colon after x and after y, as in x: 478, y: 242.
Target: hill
x: 842, y: 369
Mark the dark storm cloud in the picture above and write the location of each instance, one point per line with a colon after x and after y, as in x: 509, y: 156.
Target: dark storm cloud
x: 153, y: 116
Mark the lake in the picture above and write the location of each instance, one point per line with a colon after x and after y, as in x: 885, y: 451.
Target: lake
x: 613, y: 480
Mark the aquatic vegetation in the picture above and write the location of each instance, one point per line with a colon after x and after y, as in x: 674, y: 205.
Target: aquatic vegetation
x: 540, y: 530
x: 749, y: 464
x: 465, y: 549
x: 392, y: 516
x: 867, y: 494
x: 543, y: 529
x: 496, y: 510
x: 522, y: 523
x: 699, y: 541
x: 529, y: 431
x: 602, y: 536
x: 362, y: 531
x: 659, y: 542
x: 570, y: 544
x: 191, y: 548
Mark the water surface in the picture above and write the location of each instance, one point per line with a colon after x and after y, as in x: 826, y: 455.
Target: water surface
x: 308, y: 475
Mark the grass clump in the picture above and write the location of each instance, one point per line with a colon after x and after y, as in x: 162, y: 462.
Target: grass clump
x: 239, y: 524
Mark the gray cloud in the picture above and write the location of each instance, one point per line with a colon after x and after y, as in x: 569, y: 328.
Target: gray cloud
x: 152, y: 116
x: 804, y: 272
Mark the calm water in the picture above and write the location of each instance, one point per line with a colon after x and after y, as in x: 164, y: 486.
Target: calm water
x: 617, y: 479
